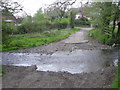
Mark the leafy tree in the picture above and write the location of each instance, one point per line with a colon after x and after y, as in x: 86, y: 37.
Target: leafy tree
x: 61, y: 23
x: 41, y: 21
x: 72, y: 19
x: 39, y: 16
x: 118, y: 17
x: 59, y: 8
x: 9, y: 7
x: 101, y: 14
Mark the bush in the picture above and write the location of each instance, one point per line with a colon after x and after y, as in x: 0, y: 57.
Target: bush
x: 25, y: 28
x: 72, y: 19
x: 29, y: 26
x: 82, y: 21
x: 9, y: 28
x: 110, y: 41
x: 64, y: 23
x: 103, y: 38
x: 61, y: 23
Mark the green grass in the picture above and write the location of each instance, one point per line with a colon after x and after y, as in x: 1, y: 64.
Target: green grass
x: 35, y: 39
x: 0, y: 70
x: 102, y: 38
x: 116, y: 82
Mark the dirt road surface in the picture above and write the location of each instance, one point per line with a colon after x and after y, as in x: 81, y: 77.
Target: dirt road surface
x: 28, y: 77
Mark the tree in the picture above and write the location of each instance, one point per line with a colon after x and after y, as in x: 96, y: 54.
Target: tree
x: 8, y: 9
x: 105, y: 15
x: 60, y: 7
x: 39, y: 16
x: 72, y: 19
x: 118, y: 17
x: 100, y: 13
x: 7, y: 6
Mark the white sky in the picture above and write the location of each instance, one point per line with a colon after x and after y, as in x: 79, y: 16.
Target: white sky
x: 31, y: 6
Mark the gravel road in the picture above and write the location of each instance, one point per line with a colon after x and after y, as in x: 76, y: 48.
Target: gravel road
x: 29, y: 77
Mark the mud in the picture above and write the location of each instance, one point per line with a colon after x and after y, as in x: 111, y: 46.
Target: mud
x: 28, y: 77
x: 74, y: 62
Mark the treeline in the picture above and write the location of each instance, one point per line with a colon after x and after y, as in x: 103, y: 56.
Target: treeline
x: 58, y: 15
x: 39, y: 22
x: 105, y: 16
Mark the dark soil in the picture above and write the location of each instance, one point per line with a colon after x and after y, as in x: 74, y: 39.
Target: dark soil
x: 28, y: 77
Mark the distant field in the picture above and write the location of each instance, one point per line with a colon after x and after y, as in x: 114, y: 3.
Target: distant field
x: 35, y: 39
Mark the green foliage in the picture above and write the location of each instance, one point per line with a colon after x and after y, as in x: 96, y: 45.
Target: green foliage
x: 101, y: 13
x: 61, y: 23
x: 110, y: 41
x: 26, y: 27
x: 36, y: 39
x: 1, y: 70
x: 103, y: 38
x: 116, y: 82
x: 39, y: 16
x: 9, y: 28
x: 72, y: 19
x: 82, y: 21
x: 37, y: 23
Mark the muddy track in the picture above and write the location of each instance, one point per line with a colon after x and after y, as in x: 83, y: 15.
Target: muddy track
x: 28, y: 77
x: 79, y: 40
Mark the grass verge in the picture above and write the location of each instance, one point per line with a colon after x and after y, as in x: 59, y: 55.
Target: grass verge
x: 105, y: 39
x: 116, y: 82
x: 20, y: 41
x: 0, y: 70
x: 102, y: 38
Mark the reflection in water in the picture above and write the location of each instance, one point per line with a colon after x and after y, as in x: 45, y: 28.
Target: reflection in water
x: 74, y: 62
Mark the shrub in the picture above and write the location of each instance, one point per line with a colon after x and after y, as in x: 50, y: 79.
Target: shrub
x: 34, y: 26
x: 61, y: 23
x: 9, y: 28
x: 82, y: 21
x: 64, y: 23
x: 110, y: 41
x: 103, y: 38
x: 72, y: 19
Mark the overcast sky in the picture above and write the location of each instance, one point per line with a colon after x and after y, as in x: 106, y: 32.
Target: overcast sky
x: 31, y: 6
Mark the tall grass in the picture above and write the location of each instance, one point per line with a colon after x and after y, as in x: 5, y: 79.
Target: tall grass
x: 102, y: 38
x: 105, y: 39
x: 116, y: 82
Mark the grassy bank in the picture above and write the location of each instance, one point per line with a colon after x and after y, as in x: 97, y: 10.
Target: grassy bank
x: 19, y: 41
x: 105, y: 39
x: 116, y: 82
x: 0, y: 70
x: 102, y: 38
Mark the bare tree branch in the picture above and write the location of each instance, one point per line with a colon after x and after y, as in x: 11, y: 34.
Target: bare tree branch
x: 61, y: 6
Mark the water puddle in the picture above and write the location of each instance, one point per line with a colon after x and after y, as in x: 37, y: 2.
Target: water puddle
x: 73, y: 62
